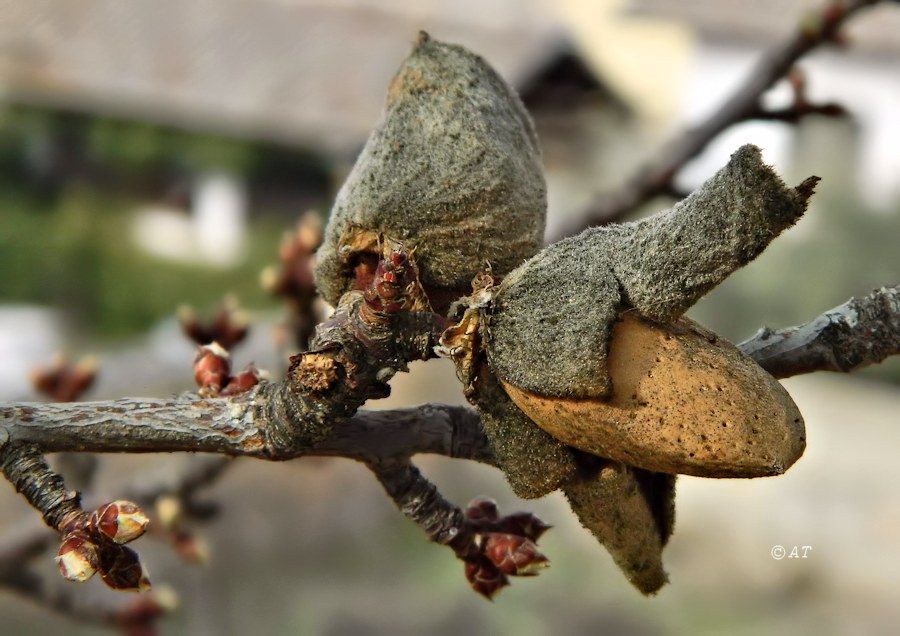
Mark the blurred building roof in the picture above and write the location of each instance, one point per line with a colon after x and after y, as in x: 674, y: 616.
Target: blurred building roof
x: 876, y: 30
x: 311, y: 72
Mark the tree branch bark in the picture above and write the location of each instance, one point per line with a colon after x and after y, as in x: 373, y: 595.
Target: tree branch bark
x: 237, y: 426
x: 856, y: 334
x: 419, y: 500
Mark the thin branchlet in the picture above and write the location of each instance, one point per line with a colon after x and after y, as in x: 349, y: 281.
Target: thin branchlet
x: 856, y: 334
x: 27, y: 470
x: 419, y: 500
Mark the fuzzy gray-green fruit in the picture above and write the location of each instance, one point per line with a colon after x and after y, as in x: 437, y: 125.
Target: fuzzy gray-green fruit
x: 663, y: 394
x: 632, y: 513
x: 550, y: 324
x: 452, y: 169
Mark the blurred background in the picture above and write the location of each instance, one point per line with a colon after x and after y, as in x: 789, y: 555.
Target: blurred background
x: 153, y: 152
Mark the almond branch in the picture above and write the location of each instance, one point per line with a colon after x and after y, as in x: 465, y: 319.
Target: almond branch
x: 856, y: 334
x: 492, y: 547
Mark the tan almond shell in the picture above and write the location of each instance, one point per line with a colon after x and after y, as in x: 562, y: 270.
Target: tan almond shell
x: 684, y: 400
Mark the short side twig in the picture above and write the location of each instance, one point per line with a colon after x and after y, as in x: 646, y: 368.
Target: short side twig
x: 856, y: 334
x: 27, y: 470
x: 419, y: 500
x: 492, y: 547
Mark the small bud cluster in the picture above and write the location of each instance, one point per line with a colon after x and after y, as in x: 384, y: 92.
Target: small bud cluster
x: 294, y: 276
x: 62, y: 381
x: 141, y: 616
x: 292, y: 279
x: 495, y: 548
x: 212, y: 364
x: 212, y: 372
x: 171, y: 513
x: 394, y: 285
x: 825, y: 23
x: 229, y: 325
x: 393, y: 275
x: 97, y: 545
x: 121, y: 569
x: 212, y: 367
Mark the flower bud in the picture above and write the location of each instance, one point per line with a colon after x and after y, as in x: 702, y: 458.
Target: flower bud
x: 309, y: 232
x: 272, y: 281
x: 480, y: 510
x: 65, y: 382
x: 121, y: 569
x: 78, y: 557
x: 169, y: 511
x: 121, y: 521
x: 190, y: 547
x: 514, y: 555
x: 393, y: 275
x: 212, y: 367
x: 525, y: 524
x: 228, y: 326
x: 485, y: 578
x: 242, y: 382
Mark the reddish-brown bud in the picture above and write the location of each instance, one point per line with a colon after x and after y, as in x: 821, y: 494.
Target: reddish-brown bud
x: 394, y: 284
x: 485, y: 578
x: 141, y: 616
x: 121, y: 521
x: 190, y: 547
x: 228, y: 326
x: 78, y: 557
x: 121, y: 569
x: 64, y: 382
x: 309, y: 231
x: 242, y: 382
x: 79, y: 379
x: 393, y: 274
x: 294, y: 277
x: 525, y: 524
x: 274, y: 281
x: 481, y: 509
x: 212, y: 367
x: 46, y: 378
x: 514, y: 555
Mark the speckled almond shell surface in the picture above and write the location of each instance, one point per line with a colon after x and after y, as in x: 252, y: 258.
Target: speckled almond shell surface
x: 683, y: 401
x: 452, y: 169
